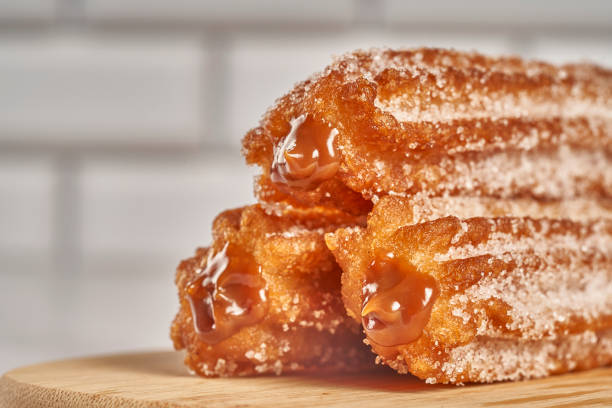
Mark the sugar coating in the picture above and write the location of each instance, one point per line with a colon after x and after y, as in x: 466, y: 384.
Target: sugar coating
x: 525, y: 285
x: 482, y: 95
x: 492, y: 107
x: 577, y: 209
x: 550, y: 278
x: 491, y: 359
x: 543, y: 297
x: 397, y: 210
x: 538, y: 240
x: 561, y: 173
x: 426, y: 134
x: 442, y: 122
x: 296, y: 231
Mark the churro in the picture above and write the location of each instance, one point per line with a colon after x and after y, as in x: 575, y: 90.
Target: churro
x: 265, y: 298
x: 481, y: 290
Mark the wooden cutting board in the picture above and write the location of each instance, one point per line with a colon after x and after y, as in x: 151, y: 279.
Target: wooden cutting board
x: 160, y: 380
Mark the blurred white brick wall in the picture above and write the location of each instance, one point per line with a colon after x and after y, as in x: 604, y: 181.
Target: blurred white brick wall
x: 26, y: 204
x: 28, y: 10
x: 120, y: 124
x: 560, y: 49
x: 222, y: 12
x: 89, y: 90
x: 160, y: 205
x: 533, y: 14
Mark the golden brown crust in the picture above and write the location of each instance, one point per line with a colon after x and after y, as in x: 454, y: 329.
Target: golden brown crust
x: 278, y: 202
x: 491, y: 180
x: 305, y: 327
x: 440, y: 122
x: 540, y: 288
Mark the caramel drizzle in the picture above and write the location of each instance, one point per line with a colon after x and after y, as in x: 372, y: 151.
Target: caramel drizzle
x: 227, y: 295
x: 397, y: 301
x: 306, y: 156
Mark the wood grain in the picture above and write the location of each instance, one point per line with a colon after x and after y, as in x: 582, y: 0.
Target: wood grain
x: 160, y: 380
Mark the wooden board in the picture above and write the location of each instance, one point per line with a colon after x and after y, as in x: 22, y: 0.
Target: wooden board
x: 160, y: 380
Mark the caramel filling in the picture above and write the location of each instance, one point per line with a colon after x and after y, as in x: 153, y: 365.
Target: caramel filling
x: 227, y: 295
x: 397, y: 301
x: 306, y: 157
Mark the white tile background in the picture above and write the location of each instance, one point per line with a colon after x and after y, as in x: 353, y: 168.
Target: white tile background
x: 120, y: 124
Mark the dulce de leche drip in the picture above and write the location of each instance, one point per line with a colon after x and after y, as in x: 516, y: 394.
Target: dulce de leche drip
x: 398, y: 301
x: 227, y: 295
x: 306, y: 157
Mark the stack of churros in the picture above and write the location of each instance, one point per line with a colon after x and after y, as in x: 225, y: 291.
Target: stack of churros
x: 450, y: 210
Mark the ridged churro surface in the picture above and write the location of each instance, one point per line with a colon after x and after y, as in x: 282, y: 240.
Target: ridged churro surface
x: 437, y: 122
x: 503, y: 297
x: 487, y: 254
